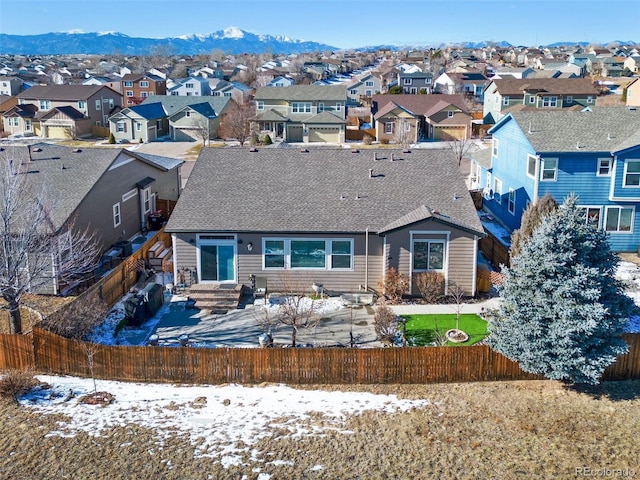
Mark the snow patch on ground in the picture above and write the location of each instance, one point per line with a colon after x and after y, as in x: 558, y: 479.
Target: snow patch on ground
x: 216, y: 418
x: 629, y: 273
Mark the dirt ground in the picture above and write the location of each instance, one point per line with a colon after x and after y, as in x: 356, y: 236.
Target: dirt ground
x: 495, y: 430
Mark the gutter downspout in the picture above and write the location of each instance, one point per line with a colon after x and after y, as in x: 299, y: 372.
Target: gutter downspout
x: 366, y: 259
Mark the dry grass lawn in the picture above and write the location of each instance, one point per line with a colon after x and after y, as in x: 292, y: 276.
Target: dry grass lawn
x: 477, y: 430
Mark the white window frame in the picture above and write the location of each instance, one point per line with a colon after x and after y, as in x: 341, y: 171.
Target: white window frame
x: 260, y: 105
x: 146, y: 198
x: 82, y: 104
x: 117, y: 215
x: 554, y: 170
x: 138, y: 127
x: 635, y: 174
x: 569, y: 100
x: 549, y: 101
x: 511, y: 203
x: 368, y: 83
x: 300, y: 107
x: 494, y: 147
x: 128, y: 84
x: 388, y: 128
x: 144, y: 84
x: 407, y: 81
x: 497, y: 190
x: 121, y: 126
x: 45, y: 105
x: 129, y: 93
x: 328, y: 253
x: 601, y: 167
x: 450, y: 113
x: 338, y: 106
x: 429, y: 241
x: 531, y: 158
x: 589, y: 99
x: 532, y: 99
x: 487, y: 188
x: 505, y: 100
x: 99, y: 104
x: 620, y: 209
x: 588, y: 209
x: 320, y: 107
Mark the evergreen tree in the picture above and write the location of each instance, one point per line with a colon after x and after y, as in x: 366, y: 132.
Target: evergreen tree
x: 563, y: 312
x: 531, y: 218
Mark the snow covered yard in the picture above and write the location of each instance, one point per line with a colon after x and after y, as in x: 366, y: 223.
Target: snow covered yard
x: 629, y: 273
x: 221, y: 422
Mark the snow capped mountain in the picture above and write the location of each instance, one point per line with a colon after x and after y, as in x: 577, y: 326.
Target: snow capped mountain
x: 231, y: 40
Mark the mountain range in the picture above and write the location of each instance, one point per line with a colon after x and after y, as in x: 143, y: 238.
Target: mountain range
x: 231, y: 40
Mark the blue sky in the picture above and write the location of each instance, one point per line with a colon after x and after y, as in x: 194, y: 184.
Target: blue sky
x: 340, y: 23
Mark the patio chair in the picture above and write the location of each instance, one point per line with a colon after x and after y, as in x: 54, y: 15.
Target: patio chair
x: 260, y: 288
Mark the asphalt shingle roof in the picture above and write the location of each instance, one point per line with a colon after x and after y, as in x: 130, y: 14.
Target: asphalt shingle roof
x: 557, y: 86
x: 61, y: 92
x: 319, y: 190
x: 303, y: 92
x: 597, y: 129
x: 174, y: 103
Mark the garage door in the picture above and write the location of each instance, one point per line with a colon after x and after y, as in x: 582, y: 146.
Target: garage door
x: 448, y: 133
x: 324, y: 134
x: 294, y: 134
x: 58, y: 132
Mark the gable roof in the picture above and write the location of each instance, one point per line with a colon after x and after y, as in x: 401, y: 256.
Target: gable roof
x: 557, y: 86
x: 596, y: 129
x: 321, y: 190
x: 419, y: 104
x: 303, y: 92
x: 67, y: 111
x: 63, y: 93
x: 70, y: 174
x: 174, y: 103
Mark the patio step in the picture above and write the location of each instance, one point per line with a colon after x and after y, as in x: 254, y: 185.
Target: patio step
x: 219, y: 298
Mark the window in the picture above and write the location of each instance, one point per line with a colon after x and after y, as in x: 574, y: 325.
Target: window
x: 450, y: 114
x: 511, y: 206
x: 117, y: 219
x: 487, y: 188
x: 497, y: 189
x: 82, y: 104
x: 227, y: 94
x: 338, y: 106
x: 14, y: 121
x: 368, y: 83
x: 549, y: 169
x: 531, y: 166
x: 121, y: 127
x: 494, y: 147
x: 550, y: 102
x: 260, y: 105
x: 632, y: 173
x: 619, y: 219
x: 388, y: 127
x: 505, y: 100
x: 407, y: 81
x: 428, y: 255
x: 143, y: 94
x: 301, y: 107
x: 144, y: 84
x: 302, y: 253
x: 532, y: 99
x: 188, y: 85
x: 320, y: 107
x: 592, y: 215
x: 188, y: 113
x: 99, y: 105
x: 128, y: 84
x: 138, y: 126
x: 129, y: 93
x: 45, y: 104
x: 569, y: 100
x: 427, y: 81
x: 146, y: 195
x: 604, y: 167
x: 353, y: 91
x: 589, y: 99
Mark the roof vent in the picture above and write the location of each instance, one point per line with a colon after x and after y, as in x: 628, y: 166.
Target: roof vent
x: 63, y: 167
x: 253, y: 149
x: 406, y: 150
x: 76, y: 150
x: 304, y: 150
x: 358, y: 197
x: 392, y: 159
x: 375, y: 156
x: 37, y: 149
x: 355, y: 150
x: 342, y: 196
x: 371, y: 173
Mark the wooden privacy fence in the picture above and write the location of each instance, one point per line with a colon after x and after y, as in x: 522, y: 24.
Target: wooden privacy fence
x: 496, y: 252
x: 52, y: 354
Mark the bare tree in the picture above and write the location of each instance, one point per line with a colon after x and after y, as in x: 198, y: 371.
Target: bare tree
x: 33, y: 250
x: 236, y: 123
x: 296, y: 309
x: 403, y: 133
x: 202, y: 126
x: 459, y: 148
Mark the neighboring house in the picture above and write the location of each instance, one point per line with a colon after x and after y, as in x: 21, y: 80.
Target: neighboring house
x: 594, y: 153
x: 612, y: 67
x: 331, y: 216
x: 146, y: 123
x: 191, y: 87
x: 136, y: 87
x: 10, y: 86
x: 472, y: 84
x: 363, y: 89
x: 302, y: 113
x: 502, y: 95
x: 236, y: 90
x: 632, y: 63
x: 6, y: 103
x: 415, y: 82
x: 633, y: 93
x: 111, y: 192
x: 420, y: 117
x: 281, y: 81
x: 61, y: 111
x: 188, y: 117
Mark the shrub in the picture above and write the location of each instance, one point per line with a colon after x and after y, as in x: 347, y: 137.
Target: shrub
x: 141, y: 141
x: 254, y: 139
x: 394, y: 285
x: 384, y: 141
x: 431, y: 286
x: 267, y: 140
x: 112, y: 139
x: 385, y: 323
x: 17, y: 382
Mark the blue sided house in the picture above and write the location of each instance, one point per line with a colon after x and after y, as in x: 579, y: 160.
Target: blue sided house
x: 594, y: 153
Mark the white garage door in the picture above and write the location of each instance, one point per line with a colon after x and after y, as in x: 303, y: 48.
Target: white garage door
x: 324, y: 134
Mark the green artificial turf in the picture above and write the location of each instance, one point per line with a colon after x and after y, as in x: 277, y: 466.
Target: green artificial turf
x: 420, y: 329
